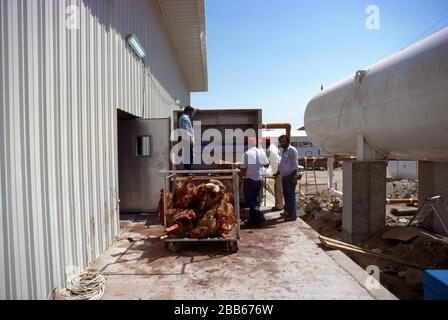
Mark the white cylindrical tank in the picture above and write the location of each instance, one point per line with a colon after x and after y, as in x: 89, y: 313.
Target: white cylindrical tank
x: 399, y: 105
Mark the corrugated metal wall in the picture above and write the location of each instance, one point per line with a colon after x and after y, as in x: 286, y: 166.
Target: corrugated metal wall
x: 59, y: 90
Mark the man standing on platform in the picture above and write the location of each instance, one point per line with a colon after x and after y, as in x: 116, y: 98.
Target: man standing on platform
x: 186, y: 125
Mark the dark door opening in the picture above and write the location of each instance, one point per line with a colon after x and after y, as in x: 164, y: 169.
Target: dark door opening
x: 143, y: 150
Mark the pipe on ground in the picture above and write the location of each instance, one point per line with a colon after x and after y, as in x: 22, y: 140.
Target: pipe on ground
x: 336, y: 193
x: 410, y: 201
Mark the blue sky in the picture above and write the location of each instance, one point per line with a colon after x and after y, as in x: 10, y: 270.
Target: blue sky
x: 275, y: 54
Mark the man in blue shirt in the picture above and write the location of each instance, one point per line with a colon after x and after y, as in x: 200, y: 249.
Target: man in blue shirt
x: 288, y: 171
x: 185, y: 124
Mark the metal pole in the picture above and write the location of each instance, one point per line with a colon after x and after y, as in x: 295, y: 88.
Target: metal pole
x: 306, y: 176
x: 165, y: 197
x: 330, y: 165
x: 315, y: 178
x: 236, y: 200
x: 438, y: 216
x: 264, y: 191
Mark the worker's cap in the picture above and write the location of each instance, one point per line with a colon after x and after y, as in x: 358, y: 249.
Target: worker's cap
x: 266, y: 140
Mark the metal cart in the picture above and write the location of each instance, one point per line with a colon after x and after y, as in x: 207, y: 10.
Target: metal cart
x: 204, y: 175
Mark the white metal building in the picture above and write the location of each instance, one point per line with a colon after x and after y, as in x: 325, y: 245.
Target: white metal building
x: 65, y: 70
x: 299, y: 140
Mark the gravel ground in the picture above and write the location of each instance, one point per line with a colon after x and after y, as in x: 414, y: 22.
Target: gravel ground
x: 323, y: 213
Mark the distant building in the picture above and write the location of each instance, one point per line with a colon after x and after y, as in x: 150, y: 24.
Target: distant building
x: 299, y: 140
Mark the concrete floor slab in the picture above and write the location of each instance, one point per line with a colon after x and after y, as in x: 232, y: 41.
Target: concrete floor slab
x: 276, y: 262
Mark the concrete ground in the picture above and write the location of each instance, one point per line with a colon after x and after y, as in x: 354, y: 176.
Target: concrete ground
x: 280, y: 261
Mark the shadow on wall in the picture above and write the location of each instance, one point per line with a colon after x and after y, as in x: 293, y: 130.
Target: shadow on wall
x: 142, y: 19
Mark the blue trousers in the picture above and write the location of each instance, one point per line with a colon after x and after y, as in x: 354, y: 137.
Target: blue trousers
x: 252, y: 190
x: 289, y: 193
x: 188, y: 166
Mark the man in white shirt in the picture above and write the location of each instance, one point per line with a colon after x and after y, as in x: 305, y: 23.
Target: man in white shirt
x: 274, y: 157
x: 288, y: 171
x: 254, y: 161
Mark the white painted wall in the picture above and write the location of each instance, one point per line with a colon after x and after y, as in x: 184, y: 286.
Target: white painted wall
x: 402, y: 169
x: 59, y: 90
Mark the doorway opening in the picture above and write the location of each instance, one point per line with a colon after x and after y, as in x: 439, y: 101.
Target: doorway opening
x: 143, y: 151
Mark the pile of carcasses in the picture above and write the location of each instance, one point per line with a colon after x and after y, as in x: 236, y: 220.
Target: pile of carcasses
x: 198, y: 212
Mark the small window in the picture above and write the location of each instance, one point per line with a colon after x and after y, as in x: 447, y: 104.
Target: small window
x: 143, y: 146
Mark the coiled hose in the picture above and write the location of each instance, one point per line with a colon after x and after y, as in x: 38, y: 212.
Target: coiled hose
x: 85, y: 286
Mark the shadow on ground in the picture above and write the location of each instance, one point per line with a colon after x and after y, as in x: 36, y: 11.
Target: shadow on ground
x: 140, y: 250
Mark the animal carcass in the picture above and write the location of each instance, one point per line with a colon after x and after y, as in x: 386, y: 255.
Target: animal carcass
x: 201, y: 211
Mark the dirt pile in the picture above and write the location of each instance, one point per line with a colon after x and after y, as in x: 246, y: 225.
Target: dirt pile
x: 417, y: 246
x: 402, y: 189
x: 404, y: 281
x: 323, y: 213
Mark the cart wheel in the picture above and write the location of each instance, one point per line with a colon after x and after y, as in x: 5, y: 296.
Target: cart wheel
x: 173, y: 247
x: 232, y: 246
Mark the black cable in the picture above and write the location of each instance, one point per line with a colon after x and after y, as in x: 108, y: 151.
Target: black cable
x: 439, y: 18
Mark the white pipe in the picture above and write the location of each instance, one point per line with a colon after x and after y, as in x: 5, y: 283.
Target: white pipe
x: 336, y: 193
